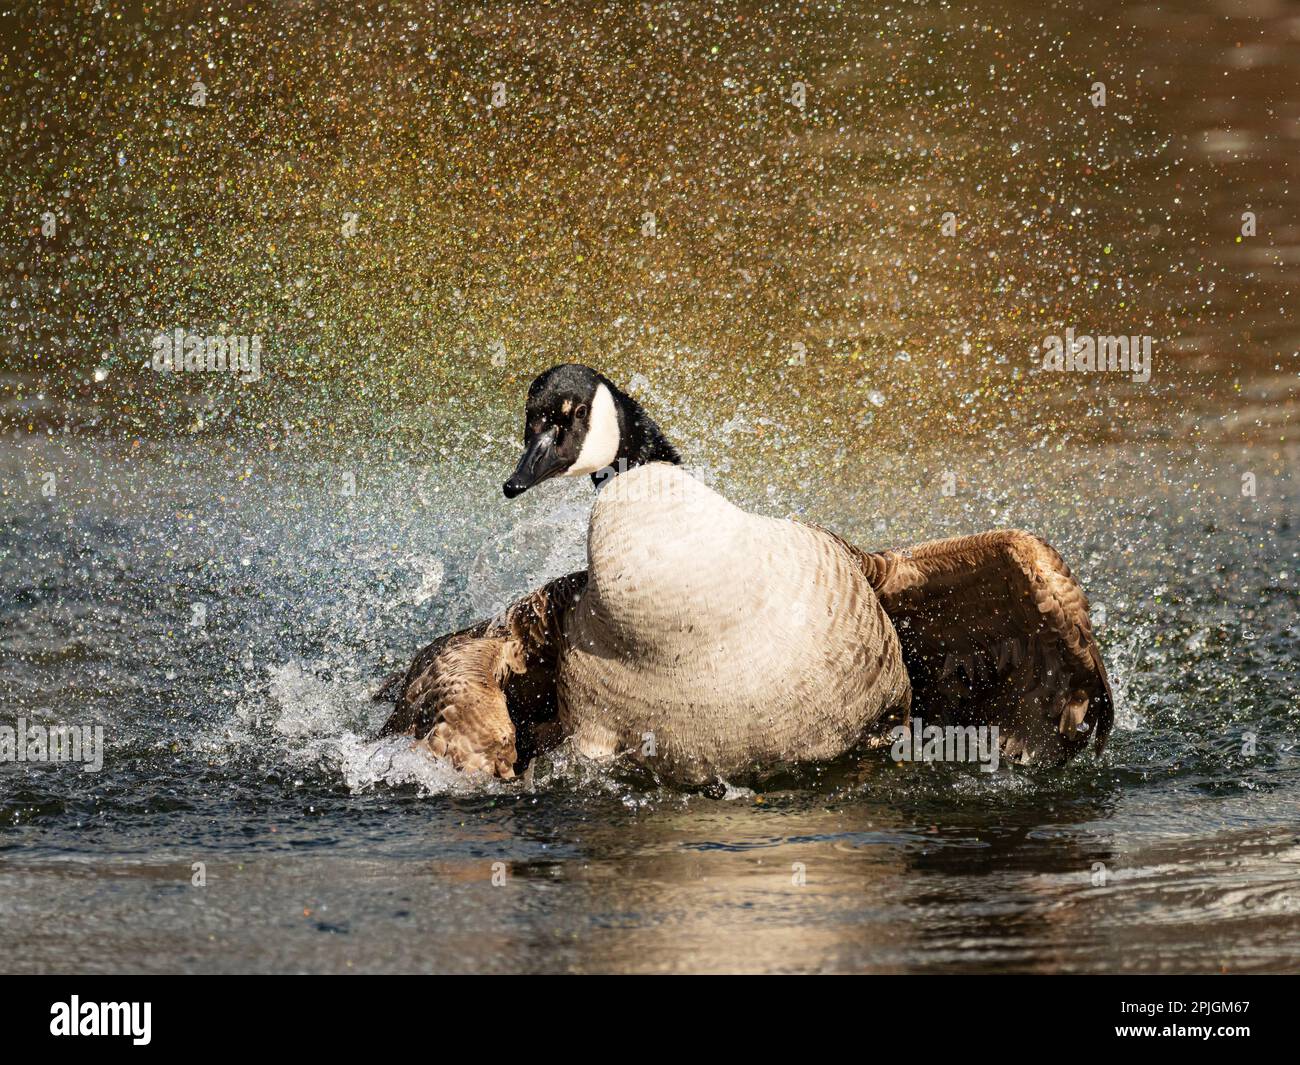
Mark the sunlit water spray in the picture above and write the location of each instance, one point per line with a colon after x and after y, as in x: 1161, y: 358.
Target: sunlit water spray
x: 835, y: 303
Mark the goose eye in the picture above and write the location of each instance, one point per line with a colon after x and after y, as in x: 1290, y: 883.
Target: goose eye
x: 580, y: 414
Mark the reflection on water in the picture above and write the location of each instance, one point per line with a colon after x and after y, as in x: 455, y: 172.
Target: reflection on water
x: 800, y: 324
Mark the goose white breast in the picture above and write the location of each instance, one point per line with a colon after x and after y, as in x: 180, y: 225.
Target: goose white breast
x: 729, y: 639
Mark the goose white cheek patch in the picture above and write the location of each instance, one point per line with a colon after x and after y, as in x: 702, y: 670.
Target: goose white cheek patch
x: 600, y: 445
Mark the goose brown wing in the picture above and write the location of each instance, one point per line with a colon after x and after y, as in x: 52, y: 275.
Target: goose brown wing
x: 995, y: 630
x: 483, y: 698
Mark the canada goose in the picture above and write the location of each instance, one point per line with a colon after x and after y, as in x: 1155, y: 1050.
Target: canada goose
x: 707, y: 641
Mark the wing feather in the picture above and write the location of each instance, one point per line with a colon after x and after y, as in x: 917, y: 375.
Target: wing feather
x: 483, y: 698
x: 995, y: 630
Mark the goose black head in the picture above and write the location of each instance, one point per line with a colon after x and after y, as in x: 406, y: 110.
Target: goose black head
x: 579, y: 422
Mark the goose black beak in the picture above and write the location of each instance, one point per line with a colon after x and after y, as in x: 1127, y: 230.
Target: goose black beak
x: 539, y: 462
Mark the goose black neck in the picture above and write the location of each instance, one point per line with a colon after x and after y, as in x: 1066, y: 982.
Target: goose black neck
x: 640, y: 441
